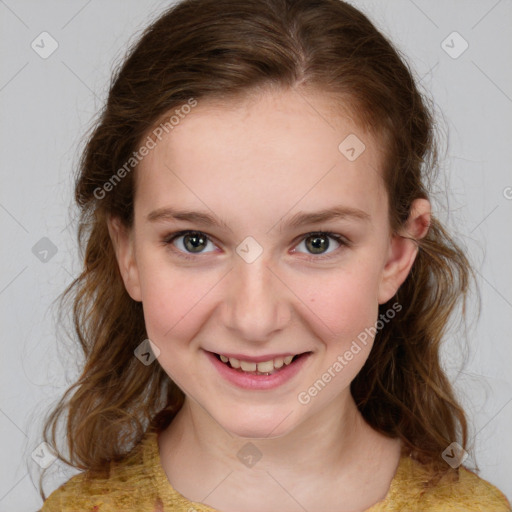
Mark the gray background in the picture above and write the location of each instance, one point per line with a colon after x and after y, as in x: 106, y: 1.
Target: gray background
x: 48, y: 104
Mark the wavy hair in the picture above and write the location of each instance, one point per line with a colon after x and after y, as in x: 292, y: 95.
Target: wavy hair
x: 223, y: 49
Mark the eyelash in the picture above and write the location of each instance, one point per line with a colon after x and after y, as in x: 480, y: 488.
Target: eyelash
x: 344, y: 242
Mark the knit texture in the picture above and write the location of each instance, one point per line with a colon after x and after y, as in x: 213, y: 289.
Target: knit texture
x: 139, y: 484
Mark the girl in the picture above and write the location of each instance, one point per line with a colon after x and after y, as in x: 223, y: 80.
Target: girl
x: 265, y: 288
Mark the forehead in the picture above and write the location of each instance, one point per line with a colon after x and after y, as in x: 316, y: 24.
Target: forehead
x: 268, y: 155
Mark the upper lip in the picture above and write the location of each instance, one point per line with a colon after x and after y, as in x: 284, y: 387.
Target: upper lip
x: 258, y: 359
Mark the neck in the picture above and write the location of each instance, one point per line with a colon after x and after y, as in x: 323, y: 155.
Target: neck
x: 334, y: 450
x: 328, y: 439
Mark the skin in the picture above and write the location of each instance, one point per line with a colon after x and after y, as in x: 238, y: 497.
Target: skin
x: 254, y: 164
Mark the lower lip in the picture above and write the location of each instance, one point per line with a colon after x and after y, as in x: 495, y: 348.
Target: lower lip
x: 251, y: 381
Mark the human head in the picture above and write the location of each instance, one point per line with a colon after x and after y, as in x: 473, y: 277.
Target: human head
x: 326, y: 45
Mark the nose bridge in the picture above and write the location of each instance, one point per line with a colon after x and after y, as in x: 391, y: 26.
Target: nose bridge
x: 256, y: 302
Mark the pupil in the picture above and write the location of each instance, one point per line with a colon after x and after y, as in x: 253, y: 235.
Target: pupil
x: 319, y: 243
x: 196, y: 240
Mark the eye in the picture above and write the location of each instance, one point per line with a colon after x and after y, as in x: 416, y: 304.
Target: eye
x: 317, y: 244
x: 192, y: 242
x: 188, y: 243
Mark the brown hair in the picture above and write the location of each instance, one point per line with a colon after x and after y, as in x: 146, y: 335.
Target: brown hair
x: 222, y: 49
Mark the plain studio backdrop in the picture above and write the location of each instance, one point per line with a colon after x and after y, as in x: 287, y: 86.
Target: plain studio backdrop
x: 56, y: 62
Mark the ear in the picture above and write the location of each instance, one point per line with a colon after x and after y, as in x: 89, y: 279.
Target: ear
x: 122, y: 240
x: 403, y: 250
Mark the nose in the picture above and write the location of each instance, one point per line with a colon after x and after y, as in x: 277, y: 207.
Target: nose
x: 256, y: 304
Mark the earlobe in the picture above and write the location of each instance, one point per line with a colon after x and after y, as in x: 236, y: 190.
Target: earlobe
x: 122, y: 241
x: 403, y: 250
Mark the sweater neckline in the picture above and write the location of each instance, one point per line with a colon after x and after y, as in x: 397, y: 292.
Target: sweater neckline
x: 171, y: 497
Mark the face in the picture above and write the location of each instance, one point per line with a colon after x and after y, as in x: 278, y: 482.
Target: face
x: 255, y: 276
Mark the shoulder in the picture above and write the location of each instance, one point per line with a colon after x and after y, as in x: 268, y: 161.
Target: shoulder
x: 73, y: 495
x: 128, y: 486
x: 465, y: 492
x: 473, y: 493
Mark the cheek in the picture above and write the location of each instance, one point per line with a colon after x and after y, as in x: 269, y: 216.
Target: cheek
x: 171, y: 301
x: 341, y: 304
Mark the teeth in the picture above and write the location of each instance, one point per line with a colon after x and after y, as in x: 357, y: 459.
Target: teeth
x: 278, y: 362
x: 248, y: 367
x: 263, y: 367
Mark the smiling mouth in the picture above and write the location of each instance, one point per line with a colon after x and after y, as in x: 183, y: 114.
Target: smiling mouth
x: 264, y: 368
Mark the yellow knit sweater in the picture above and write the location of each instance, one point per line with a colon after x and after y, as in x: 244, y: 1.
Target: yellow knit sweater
x: 139, y: 484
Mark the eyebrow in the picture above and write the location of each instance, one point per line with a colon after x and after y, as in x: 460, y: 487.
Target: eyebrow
x: 170, y: 213
x: 337, y: 213
x: 297, y: 220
